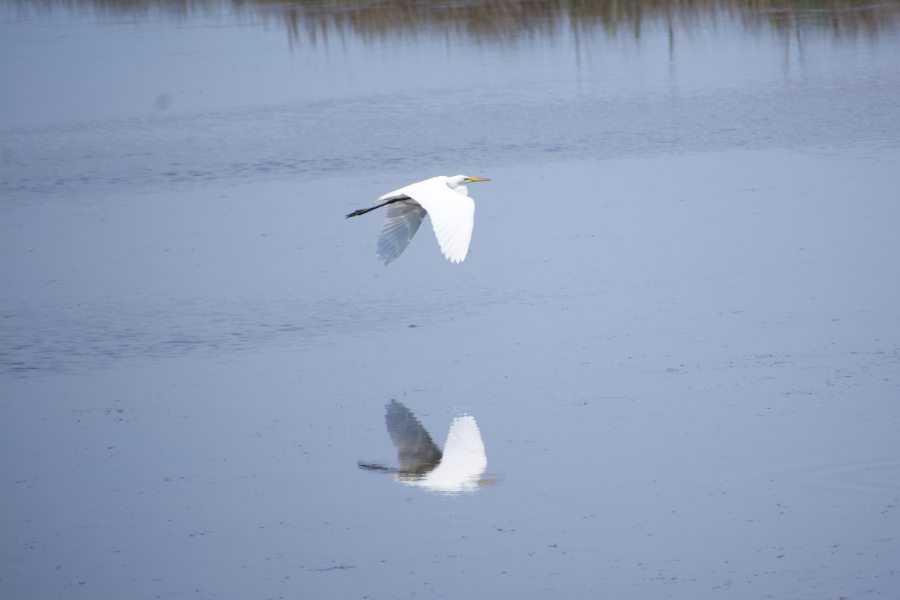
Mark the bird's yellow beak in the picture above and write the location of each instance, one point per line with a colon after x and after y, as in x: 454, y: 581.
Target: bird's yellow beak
x: 475, y: 179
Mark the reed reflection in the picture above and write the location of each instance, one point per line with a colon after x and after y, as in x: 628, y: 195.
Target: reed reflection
x: 508, y: 20
x: 421, y: 463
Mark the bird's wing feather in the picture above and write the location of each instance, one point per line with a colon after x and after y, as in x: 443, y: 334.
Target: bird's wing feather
x: 400, y: 225
x: 452, y: 215
x: 464, y: 448
x: 416, y: 453
x: 464, y: 459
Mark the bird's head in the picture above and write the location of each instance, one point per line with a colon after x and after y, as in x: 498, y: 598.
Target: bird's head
x: 458, y: 180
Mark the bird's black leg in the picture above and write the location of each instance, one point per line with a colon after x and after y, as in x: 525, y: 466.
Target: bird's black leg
x: 363, y: 211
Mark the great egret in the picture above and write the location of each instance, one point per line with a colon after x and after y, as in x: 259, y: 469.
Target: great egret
x: 444, y: 198
x: 457, y: 469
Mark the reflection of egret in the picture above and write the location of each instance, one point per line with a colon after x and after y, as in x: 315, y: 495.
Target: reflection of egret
x: 452, y: 212
x: 421, y: 462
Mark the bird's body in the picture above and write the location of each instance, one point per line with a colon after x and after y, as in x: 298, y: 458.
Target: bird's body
x: 452, y: 212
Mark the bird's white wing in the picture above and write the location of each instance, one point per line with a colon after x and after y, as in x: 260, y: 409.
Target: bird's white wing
x: 452, y: 215
x: 400, y: 225
x: 463, y: 462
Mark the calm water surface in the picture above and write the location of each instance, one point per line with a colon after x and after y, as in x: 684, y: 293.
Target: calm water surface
x: 676, y: 329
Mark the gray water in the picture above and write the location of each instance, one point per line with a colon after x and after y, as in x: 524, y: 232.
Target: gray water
x: 676, y: 327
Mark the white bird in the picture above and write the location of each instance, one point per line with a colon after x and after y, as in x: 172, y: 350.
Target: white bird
x: 444, y: 198
x: 421, y: 463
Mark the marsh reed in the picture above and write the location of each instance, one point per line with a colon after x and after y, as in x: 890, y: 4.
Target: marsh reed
x: 506, y: 20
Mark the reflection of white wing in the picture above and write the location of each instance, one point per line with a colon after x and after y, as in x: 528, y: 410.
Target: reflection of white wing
x: 402, y: 223
x: 416, y: 453
x: 452, y: 214
x: 463, y: 463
